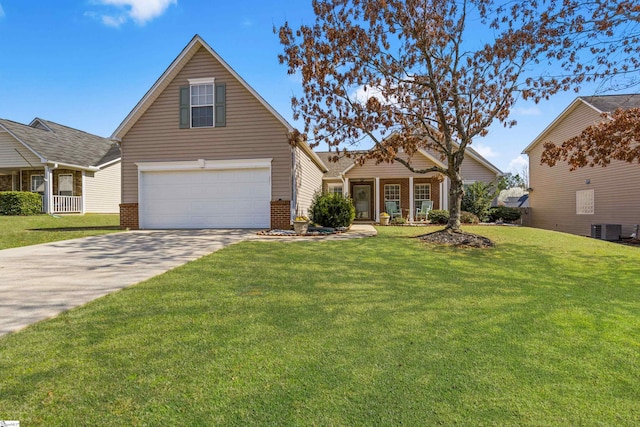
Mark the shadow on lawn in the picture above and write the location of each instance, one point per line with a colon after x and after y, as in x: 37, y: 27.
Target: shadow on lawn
x: 54, y: 229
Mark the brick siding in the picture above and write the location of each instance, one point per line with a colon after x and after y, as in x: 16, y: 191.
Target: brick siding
x: 281, y: 214
x: 129, y: 216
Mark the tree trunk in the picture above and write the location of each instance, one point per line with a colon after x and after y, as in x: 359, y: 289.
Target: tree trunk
x: 455, y: 202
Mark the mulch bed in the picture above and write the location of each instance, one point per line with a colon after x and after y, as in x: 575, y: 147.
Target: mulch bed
x: 457, y: 238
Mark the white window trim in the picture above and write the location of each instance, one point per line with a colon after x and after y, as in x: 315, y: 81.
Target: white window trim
x: 585, y: 202
x: 65, y: 174
x: 43, y: 183
x: 415, y: 197
x: 399, y: 200
x: 200, y: 82
x: 332, y: 186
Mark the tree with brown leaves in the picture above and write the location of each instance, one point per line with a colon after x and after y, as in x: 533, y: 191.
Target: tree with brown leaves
x: 435, y: 74
x: 617, y: 137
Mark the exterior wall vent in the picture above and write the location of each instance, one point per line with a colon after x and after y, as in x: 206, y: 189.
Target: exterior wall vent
x: 608, y: 232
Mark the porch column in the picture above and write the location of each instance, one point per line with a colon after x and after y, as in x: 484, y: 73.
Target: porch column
x: 444, y: 194
x: 345, y: 188
x: 82, y: 202
x: 48, y: 190
x: 377, y: 198
x: 412, y: 208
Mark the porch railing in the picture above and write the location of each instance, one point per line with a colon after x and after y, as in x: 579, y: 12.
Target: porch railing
x: 65, y: 204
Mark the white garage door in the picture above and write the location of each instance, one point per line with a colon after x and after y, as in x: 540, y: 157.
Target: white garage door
x: 230, y: 198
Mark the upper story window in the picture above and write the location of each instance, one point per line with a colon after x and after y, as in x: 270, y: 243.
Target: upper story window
x: 203, y: 104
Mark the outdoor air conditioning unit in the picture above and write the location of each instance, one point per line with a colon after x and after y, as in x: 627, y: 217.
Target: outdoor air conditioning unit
x: 609, y: 232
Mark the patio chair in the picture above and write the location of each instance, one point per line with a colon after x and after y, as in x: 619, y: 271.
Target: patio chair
x: 423, y: 211
x: 392, y: 209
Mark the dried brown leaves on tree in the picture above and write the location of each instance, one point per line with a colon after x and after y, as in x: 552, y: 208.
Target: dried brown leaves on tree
x: 617, y: 137
x: 434, y: 74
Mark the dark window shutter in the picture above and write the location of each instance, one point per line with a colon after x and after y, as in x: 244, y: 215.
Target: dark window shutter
x: 221, y: 104
x: 184, y: 107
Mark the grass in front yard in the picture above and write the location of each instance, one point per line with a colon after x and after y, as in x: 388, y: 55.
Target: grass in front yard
x: 542, y: 330
x: 31, y: 230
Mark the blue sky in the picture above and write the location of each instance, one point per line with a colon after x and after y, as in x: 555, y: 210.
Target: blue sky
x: 86, y: 63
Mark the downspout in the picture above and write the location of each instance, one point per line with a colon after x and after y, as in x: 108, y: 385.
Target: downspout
x: 294, y: 182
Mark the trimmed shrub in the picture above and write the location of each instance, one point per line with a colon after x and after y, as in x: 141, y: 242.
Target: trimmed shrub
x: 20, y: 203
x: 332, y: 210
x: 438, y: 216
x: 468, y: 218
x: 398, y: 221
x: 504, y: 213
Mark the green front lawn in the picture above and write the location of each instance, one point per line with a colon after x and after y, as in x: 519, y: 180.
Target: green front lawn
x: 543, y: 330
x: 31, y: 230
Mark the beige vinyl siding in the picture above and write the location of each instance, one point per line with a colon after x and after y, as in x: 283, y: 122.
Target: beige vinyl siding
x: 251, y: 131
x: 308, y: 181
x: 473, y: 170
x: 9, y: 157
x: 553, y: 199
x: 102, y: 190
x: 390, y: 170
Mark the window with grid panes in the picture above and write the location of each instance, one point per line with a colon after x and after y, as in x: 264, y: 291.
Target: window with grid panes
x: 392, y: 194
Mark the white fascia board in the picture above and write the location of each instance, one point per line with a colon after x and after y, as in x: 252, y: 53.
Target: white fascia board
x: 556, y: 121
x: 70, y: 166
x: 107, y: 164
x: 202, y: 164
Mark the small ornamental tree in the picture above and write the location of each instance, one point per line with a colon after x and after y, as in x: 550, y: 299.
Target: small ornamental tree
x: 405, y: 75
x: 479, y: 195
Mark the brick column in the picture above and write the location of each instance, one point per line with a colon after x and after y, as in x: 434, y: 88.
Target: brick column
x: 281, y: 214
x: 129, y: 216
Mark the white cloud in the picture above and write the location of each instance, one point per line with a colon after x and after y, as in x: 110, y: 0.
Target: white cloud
x: 140, y: 11
x: 247, y: 23
x: 484, y: 150
x: 518, y: 164
x: 1, y: 12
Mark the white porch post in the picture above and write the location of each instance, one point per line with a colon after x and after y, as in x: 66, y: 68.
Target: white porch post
x: 82, y: 202
x: 444, y: 198
x: 48, y: 190
x: 377, y: 198
x: 412, y: 208
x: 345, y: 188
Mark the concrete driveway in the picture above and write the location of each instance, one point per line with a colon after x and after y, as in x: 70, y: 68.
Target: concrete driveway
x: 41, y: 281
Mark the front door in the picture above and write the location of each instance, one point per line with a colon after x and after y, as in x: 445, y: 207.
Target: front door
x: 362, y: 200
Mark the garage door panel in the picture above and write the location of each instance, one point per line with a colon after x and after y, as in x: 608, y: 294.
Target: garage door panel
x: 205, y: 198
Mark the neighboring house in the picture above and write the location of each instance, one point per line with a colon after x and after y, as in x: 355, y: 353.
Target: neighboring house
x: 372, y: 185
x: 517, y: 201
x: 202, y: 149
x: 74, y: 171
x: 573, y: 201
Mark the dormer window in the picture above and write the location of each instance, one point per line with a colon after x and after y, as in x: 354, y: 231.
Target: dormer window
x: 202, y: 104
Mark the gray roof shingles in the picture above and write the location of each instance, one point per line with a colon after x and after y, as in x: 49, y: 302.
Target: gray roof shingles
x: 64, y: 144
x: 610, y: 103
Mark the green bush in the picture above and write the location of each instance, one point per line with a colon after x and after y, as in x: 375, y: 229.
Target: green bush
x: 468, y: 218
x: 478, y: 196
x: 504, y: 213
x: 438, y: 216
x: 332, y: 210
x: 20, y: 203
x: 398, y: 220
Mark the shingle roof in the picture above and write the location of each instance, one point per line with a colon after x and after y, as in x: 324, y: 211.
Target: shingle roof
x: 64, y: 144
x: 335, y: 168
x: 609, y: 103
